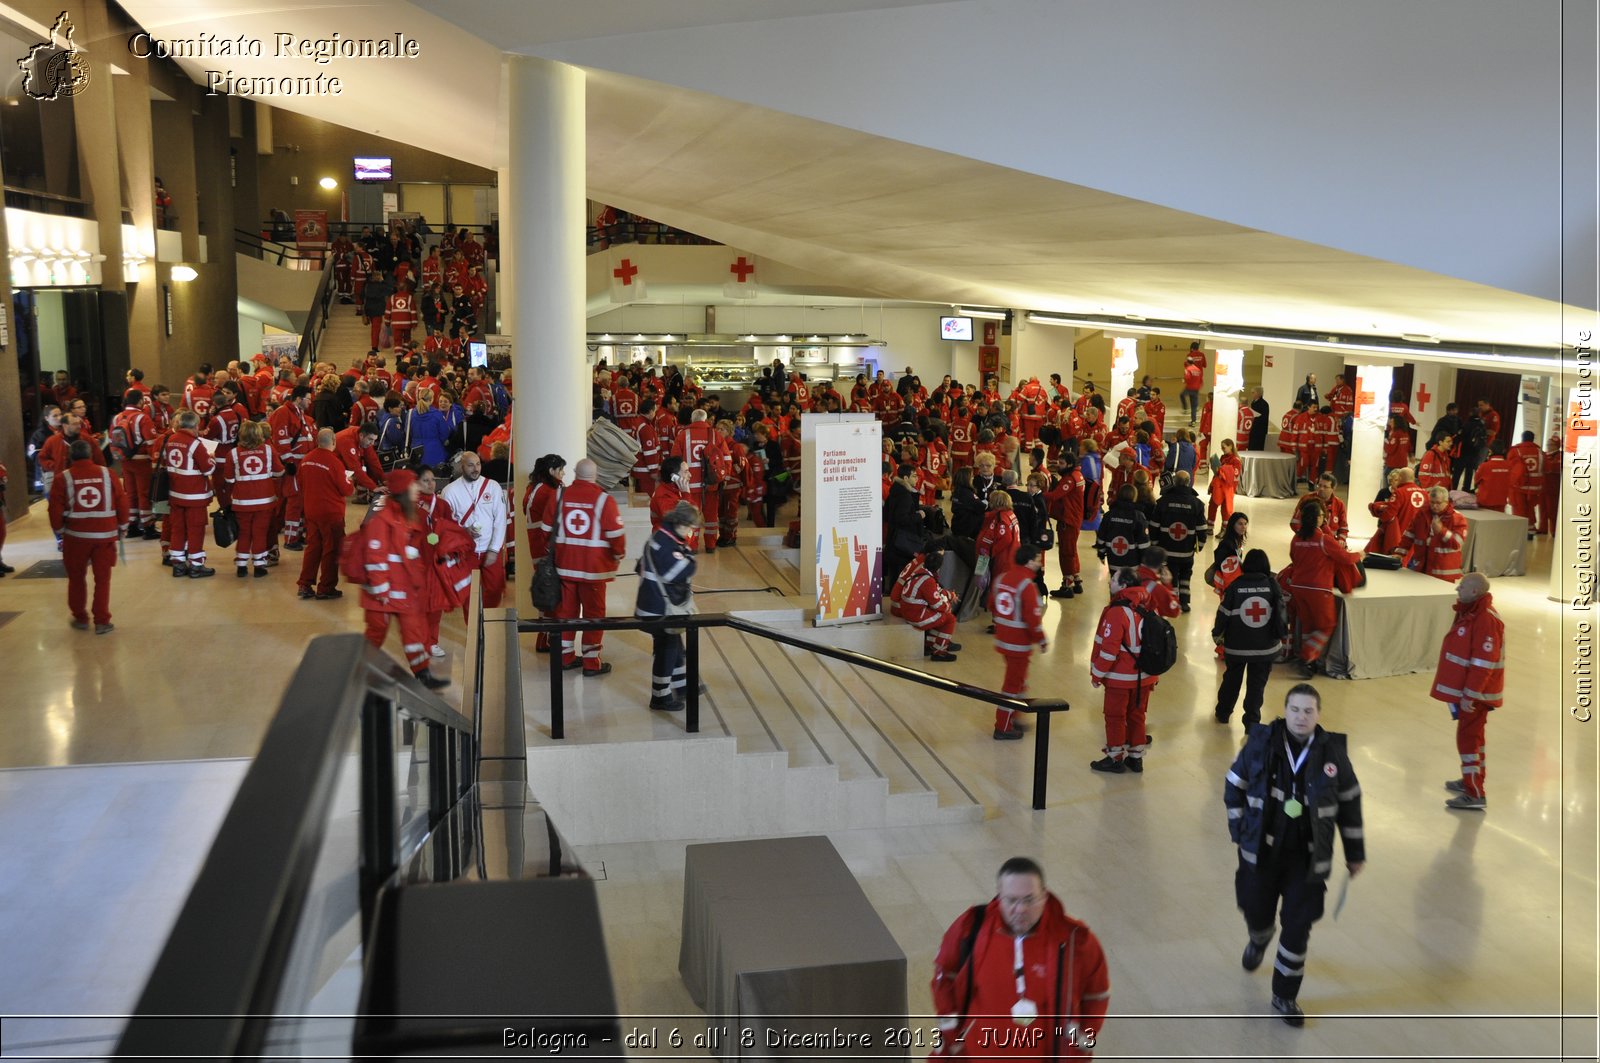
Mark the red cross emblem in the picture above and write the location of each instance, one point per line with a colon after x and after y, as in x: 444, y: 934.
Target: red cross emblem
x: 1120, y: 545
x: 577, y: 522
x: 1577, y: 425
x: 742, y: 269
x: 625, y: 272
x: 1363, y: 397
x: 1422, y: 398
x: 1178, y: 532
x: 1255, y: 611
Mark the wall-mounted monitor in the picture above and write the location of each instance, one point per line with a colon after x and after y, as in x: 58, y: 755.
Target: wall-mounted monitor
x: 374, y: 170
x: 478, y: 354
x: 956, y: 328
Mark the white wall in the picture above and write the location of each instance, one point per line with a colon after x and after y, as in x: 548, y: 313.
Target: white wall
x: 1424, y: 132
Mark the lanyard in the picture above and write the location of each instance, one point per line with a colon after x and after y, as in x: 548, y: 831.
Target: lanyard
x: 1021, y: 982
x: 1295, y: 762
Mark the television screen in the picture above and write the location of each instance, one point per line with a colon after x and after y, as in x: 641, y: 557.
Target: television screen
x: 956, y: 328
x: 374, y: 169
x: 478, y: 354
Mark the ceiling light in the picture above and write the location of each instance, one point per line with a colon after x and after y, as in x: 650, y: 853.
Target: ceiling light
x: 329, y: 183
x: 987, y: 315
x: 184, y: 273
x: 1418, y: 337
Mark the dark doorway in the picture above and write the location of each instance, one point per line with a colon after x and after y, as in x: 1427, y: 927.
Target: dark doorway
x: 1503, y: 390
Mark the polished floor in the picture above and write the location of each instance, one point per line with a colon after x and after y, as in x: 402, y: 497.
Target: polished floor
x: 1467, y: 937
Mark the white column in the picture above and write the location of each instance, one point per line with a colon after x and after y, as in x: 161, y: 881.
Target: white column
x: 1373, y: 383
x: 1124, y: 372
x: 546, y: 293
x: 1427, y: 400
x: 1227, y: 392
x: 1572, y: 574
x: 505, y: 276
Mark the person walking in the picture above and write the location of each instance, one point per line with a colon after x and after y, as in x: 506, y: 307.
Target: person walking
x: 666, y: 574
x: 88, y: 512
x: 589, y: 543
x: 1018, y: 628
x: 1114, y: 665
x: 1288, y: 782
x: 395, y: 579
x: 1018, y: 977
x: 1178, y: 525
x: 1470, y: 678
x: 479, y: 505
x: 1249, y: 628
x: 1314, y: 557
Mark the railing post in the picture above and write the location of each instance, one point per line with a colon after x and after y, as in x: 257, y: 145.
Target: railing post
x: 558, y: 722
x: 1041, y: 757
x: 379, y: 842
x: 691, y: 688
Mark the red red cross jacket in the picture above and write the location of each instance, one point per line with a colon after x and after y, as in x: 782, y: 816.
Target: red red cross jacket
x: 139, y: 430
x: 87, y: 502
x: 923, y: 603
x: 1289, y: 431
x: 538, y: 501
x: 702, y: 452
x: 252, y: 474
x: 1334, y: 518
x: 1064, y: 501
x: 402, y: 311
x: 189, y: 467
x: 363, y: 461
x: 1434, y: 471
x: 1343, y: 401
x: 649, y: 459
x: 1247, y: 420
x: 1439, y: 552
x: 1114, y: 661
x: 1315, y: 562
x: 293, y: 434
x: 589, y: 536
x: 1018, y: 613
x: 1472, y: 659
x: 1493, y: 486
x: 394, y: 563
x: 325, y: 486
x: 1530, y: 478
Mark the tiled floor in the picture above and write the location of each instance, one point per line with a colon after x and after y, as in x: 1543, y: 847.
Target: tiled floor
x: 1459, y: 917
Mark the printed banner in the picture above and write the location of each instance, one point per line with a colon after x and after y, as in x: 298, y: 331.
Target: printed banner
x: 842, y: 494
x: 311, y: 230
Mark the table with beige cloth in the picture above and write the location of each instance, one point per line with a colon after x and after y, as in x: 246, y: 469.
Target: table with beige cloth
x: 1392, y: 626
x: 1497, y: 543
x: 1267, y: 473
x: 780, y: 942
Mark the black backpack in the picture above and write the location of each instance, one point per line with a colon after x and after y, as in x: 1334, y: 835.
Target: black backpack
x: 1158, y: 642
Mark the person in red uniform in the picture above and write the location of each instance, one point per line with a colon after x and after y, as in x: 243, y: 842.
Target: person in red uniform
x: 1018, y: 627
x: 732, y: 487
x: 1289, y: 431
x: 1470, y: 679
x: 1018, y: 977
x: 704, y: 462
x: 88, y: 511
x: 1203, y: 443
x: 324, y: 486
x: 647, y: 466
x: 538, y: 507
x: 1387, y: 538
x: 1194, y: 375
x: 1114, y: 665
x: 251, y: 471
x: 1323, y: 441
x: 998, y: 540
x: 1491, y: 421
x: 1314, y: 558
x: 448, y: 559
x: 1550, y: 498
x: 227, y: 414
x: 1493, y: 484
x: 189, y: 467
x: 293, y: 434
x: 589, y: 543
x: 401, y: 315
x: 922, y: 602
x: 1333, y: 511
x: 132, y: 432
x: 1155, y: 579
x: 1435, y: 538
x: 1396, y: 445
x: 1527, y: 480
x: 1399, y: 407
x: 1064, y: 504
x: 395, y: 581
x: 1224, y: 482
x: 355, y: 447
x: 198, y: 394
x: 1247, y: 420
x: 668, y: 493
x: 1434, y: 470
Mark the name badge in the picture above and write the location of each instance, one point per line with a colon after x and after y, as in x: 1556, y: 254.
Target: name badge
x: 1024, y: 1011
x: 1292, y: 808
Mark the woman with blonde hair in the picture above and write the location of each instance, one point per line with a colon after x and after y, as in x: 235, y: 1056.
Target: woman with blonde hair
x: 430, y: 429
x: 998, y: 541
x: 252, y: 470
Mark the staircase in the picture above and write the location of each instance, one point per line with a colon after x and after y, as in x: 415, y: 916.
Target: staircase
x: 345, y: 339
x: 789, y: 742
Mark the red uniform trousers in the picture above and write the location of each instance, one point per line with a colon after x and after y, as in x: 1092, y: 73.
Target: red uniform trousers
x: 413, y: 635
x: 255, y: 524
x: 706, y: 500
x: 321, y: 559
x: 582, y: 598
x: 1221, y: 500
x: 1549, y: 506
x: 1525, y: 504
x: 376, y: 326
x: 936, y: 636
x: 136, y: 484
x: 1067, y: 548
x: 1016, y: 683
x: 1317, y: 613
x: 728, y: 526
x: 293, y: 510
x: 1124, y: 710
x: 645, y: 482
x: 186, y: 527
x: 494, y: 584
x: 399, y: 335
x: 78, y: 555
x: 1469, y: 743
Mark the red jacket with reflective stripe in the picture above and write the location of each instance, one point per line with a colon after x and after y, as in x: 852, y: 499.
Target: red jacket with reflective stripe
x: 251, y: 475
x: 394, y: 564
x: 1440, y: 553
x: 1115, y: 657
x: 86, y: 502
x: 189, y: 467
x: 1472, y: 659
x: 922, y: 601
x: 589, y: 536
x: 1018, y: 612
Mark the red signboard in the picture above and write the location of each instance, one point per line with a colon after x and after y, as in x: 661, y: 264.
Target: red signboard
x: 311, y: 230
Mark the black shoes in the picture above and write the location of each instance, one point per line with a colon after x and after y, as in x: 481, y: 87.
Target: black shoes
x: 178, y: 571
x: 328, y: 596
x: 79, y: 625
x: 1253, y: 954
x: 1063, y: 591
x: 591, y: 673
x: 306, y: 594
x: 5, y: 569
x: 1134, y: 764
x: 240, y: 572
x: 261, y: 572
x: 1290, y: 1010
x: 942, y: 658
x: 200, y: 572
x: 294, y: 546
x: 152, y: 532
x: 104, y: 629
x: 1007, y: 736
x: 1108, y: 764
x: 429, y: 680
x: 666, y: 704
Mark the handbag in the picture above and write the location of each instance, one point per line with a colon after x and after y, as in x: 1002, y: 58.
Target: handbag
x: 546, y: 588
x: 224, y: 528
x: 159, y: 489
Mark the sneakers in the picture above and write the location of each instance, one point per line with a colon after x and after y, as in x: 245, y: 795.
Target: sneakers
x: 435, y: 651
x: 200, y: 572
x: 1253, y: 954
x: 79, y: 625
x: 429, y: 680
x: 591, y: 673
x: 104, y: 629
x: 1467, y: 803
x: 1108, y: 764
x: 1290, y: 1010
x: 1455, y: 786
x: 666, y: 704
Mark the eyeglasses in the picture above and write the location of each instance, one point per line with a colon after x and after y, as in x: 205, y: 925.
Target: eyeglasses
x: 1020, y: 902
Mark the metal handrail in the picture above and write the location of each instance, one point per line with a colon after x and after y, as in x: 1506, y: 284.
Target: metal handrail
x: 317, y: 319
x: 1042, y: 708
x: 213, y: 990
x: 255, y: 242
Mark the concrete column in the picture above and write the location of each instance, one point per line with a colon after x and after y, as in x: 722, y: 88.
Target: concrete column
x: 1227, y: 392
x: 1373, y: 383
x: 1124, y: 372
x: 505, y: 277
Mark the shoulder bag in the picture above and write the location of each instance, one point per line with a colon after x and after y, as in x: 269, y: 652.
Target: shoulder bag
x: 546, y: 589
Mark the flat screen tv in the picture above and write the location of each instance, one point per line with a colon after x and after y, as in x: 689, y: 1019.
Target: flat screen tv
x: 956, y: 328
x: 478, y: 354
x: 374, y: 170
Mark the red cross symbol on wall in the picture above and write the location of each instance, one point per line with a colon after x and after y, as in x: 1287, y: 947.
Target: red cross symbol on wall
x: 742, y: 269
x: 1363, y: 398
x: 1422, y: 398
x: 625, y: 272
x: 1256, y: 612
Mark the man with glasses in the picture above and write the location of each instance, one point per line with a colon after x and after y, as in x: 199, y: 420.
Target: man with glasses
x: 1018, y: 977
